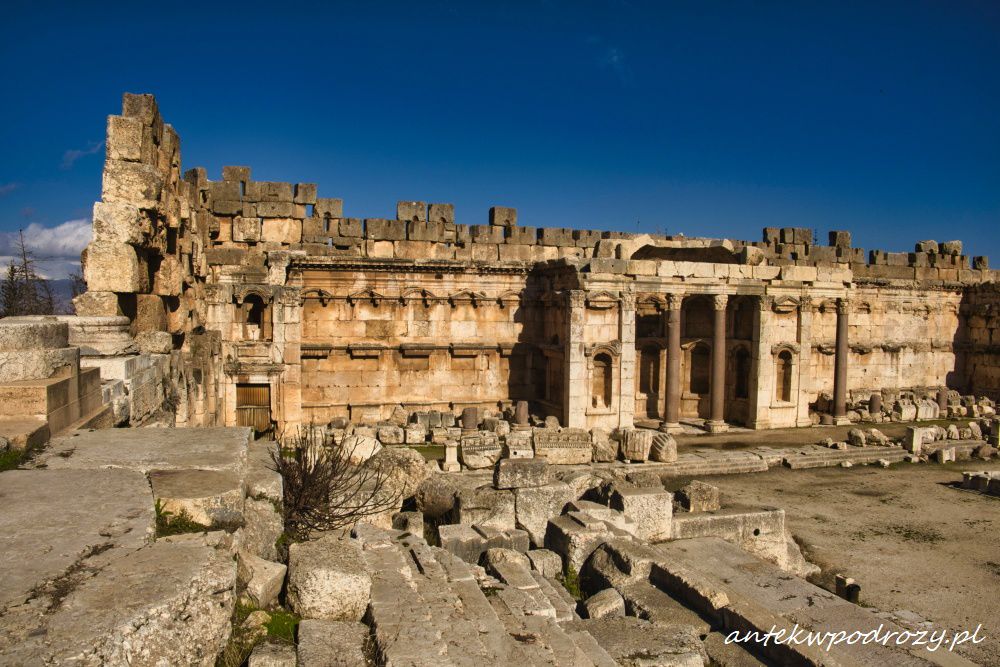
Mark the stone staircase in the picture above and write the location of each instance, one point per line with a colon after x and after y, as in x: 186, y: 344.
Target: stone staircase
x: 427, y: 608
x: 814, y: 456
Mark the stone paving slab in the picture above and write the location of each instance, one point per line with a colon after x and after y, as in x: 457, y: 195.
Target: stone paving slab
x: 50, y: 518
x: 150, y: 449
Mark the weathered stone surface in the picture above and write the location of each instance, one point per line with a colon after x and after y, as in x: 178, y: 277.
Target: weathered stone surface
x: 534, y: 506
x: 328, y: 579
x: 324, y: 643
x: 436, y: 495
x: 480, y: 450
x: 699, y: 497
x: 262, y: 579
x: 210, y: 497
x: 360, y: 448
x: 633, y: 642
x: 649, y: 508
x: 605, y: 449
x: 165, y: 603
x: 636, y: 443
x: 262, y: 526
x: 567, y: 446
x: 663, y: 448
x: 496, y: 556
x: 218, y: 449
x: 404, y: 470
x: 50, y: 517
x: 545, y: 562
x: 608, y: 602
x: 267, y: 654
x: 486, y: 506
x: 520, y: 473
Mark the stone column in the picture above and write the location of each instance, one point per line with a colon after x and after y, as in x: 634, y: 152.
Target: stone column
x: 717, y: 420
x: 575, y: 386
x: 840, y: 366
x: 762, y: 367
x: 671, y: 422
x: 626, y: 334
x: 803, y: 369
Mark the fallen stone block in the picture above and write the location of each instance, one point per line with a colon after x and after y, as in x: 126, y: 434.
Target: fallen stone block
x: 633, y: 642
x: 328, y: 579
x: 534, y: 506
x: 267, y: 654
x: 545, y: 562
x: 520, y: 473
x: 649, y: 508
x: 324, y: 643
x: 410, y: 522
x: 663, y: 448
x: 262, y: 579
x: 608, y: 602
x: 699, y: 497
x: 486, y: 506
x: 209, y: 497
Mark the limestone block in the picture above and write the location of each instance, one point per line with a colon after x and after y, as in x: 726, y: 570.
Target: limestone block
x: 545, y: 562
x: 636, y: 444
x: 210, y: 497
x: 124, y: 140
x: 390, y: 434
x: 120, y: 222
x: 411, y: 211
x: 480, y: 450
x: 281, y: 230
x: 496, y: 556
x: 328, y: 579
x: 39, y: 364
x: 436, y: 495
x: 605, y: 449
x: 485, y: 506
x: 534, y: 506
x: 608, y: 602
x: 569, y: 446
x: 462, y: 540
x: 699, y: 497
x: 267, y: 654
x: 169, y: 277
x: 404, y: 470
x: 632, y: 641
x: 114, y: 267
x: 415, y: 435
x: 262, y: 526
x: 857, y: 437
x: 410, y: 522
x: 378, y: 229
x: 518, y: 444
x: 360, y: 448
x: 953, y: 248
x: 132, y: 183
x: 503, y: 216
x: 261, y: 578
x: 38, y: 332
x: 486, y: 234
x: 520, y: 473
x: 574, y: 537
x: 246, y: 229
x: 425, y: 231
x: 649, y: 508
x: 154, y: 342
x: 305, y: 193
x: 441, y: 213
x: 522, y: 236
x: 97, y: 304
x: 663, y: 448
x: 332, y: 644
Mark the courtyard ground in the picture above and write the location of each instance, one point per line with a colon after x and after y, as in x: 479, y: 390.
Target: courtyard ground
x: 918, y: 547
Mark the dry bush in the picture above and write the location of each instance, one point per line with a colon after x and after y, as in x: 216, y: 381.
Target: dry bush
x: 323, y: 490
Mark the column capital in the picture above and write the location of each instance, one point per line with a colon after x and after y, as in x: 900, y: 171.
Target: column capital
x: 575, y: 298
x: 720, y: 301
x: 674, y: 301
x: 628, y: 299
x: 806, y: 304
x: 764, y: 303
x: 843, y: 306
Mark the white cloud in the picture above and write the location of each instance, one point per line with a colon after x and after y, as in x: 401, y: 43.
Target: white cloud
x: 7, y: 188
x: 71, y: 156
x: 56, y: 249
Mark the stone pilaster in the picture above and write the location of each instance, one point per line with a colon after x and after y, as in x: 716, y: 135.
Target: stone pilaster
x: 840, y: 365
x: 574, y: 362
x: 805, y: 362
x: 717, y: 423
x: 626, y: 334
x: 762, y: 367
x: 671, y: 420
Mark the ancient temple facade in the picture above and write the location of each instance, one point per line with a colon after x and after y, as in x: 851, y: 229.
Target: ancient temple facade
x: 284, y: 312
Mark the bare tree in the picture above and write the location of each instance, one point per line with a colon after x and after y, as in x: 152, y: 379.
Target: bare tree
x: 24, y: 291
x: 325, y: 488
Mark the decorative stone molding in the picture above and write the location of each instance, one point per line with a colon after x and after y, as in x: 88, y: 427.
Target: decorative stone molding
x: 365, y: 295
x: 614, y: 348
x: 778, y: 348
x: 601, y: 301
x: 785, y: 304
x: 467, y: 298
x: 674, y: 301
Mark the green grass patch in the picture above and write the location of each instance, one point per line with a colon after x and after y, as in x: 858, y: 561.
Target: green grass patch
x: 11, y: 459
x: 430, y: 452
x: 282, y: 626
x: 168, y: 523
x: 570, y: 580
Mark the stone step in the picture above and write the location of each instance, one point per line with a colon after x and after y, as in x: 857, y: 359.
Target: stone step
x: 560, y: 599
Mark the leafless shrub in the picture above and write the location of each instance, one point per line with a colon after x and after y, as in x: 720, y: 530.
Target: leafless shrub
x: 323, y: 489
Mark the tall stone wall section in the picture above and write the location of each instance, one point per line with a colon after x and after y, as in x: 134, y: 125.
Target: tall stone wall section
x: 269, y: 283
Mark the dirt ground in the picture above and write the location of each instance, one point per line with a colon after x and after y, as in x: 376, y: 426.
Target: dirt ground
x: 915, y: 544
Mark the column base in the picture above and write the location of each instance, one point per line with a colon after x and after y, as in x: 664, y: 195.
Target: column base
x: 671, y: 428
x: 450, y: 467
x: 716, y: 426
x: 841, y: 421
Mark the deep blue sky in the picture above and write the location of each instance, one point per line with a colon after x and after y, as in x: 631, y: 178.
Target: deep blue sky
x: 706, y: 118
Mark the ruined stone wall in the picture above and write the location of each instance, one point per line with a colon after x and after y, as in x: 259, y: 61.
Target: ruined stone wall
x: 271, y: 285
x: 979, y: 341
